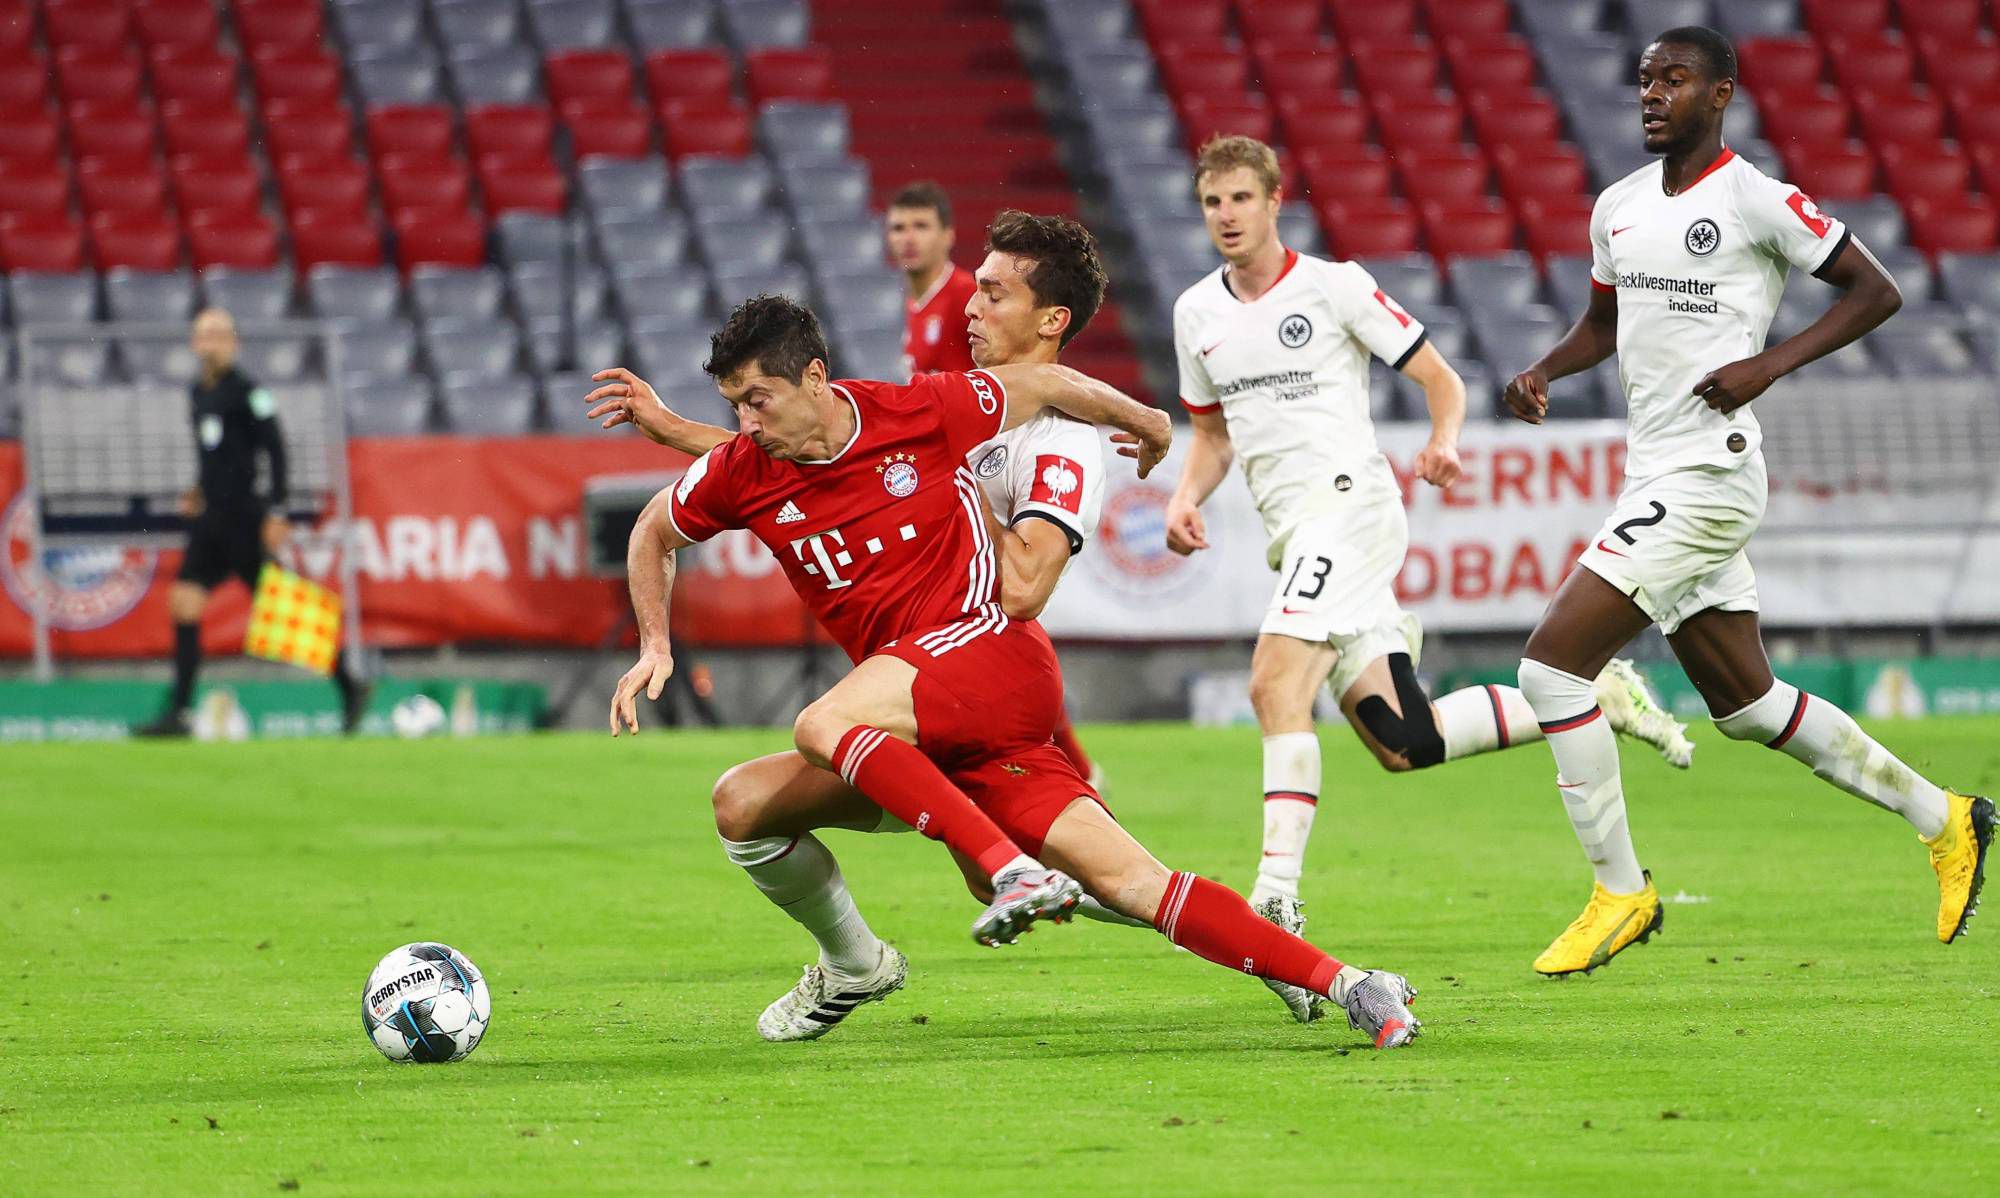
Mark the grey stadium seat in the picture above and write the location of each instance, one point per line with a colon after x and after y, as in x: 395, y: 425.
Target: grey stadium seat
x: 607, y: 184
x: 171, y: 360
x: 1972, y: 280
x: 405, y: 75
x: 1641, y: 19
x: 1912, y: 272
x: 670, y: 24
x: 792, y: 131
x: 478, y: 23
x: 1922, y: 347
x: 1757, y: 18
x: 389, y: 407
x: 835, y: 188
x: 842, y: 243
x: 1182, y: 242
x: 572, y: 24
x: 734, y: 284
x: 542, y: 289
x: 353, y: 292
x: 450, y: 292
x: 1154, y: 187
x: 1299, y: 229
x: 148, y: 295
x: 1089, y: 22
x: 489, y: 407
x: 754, y: 24
x: 743, y: 243
x: 1586, y: 61
x: 556, y: 344
x: 1853, y: 360
x: 378, y: 23
x: 668, y: 291
x: 876, y: 356
x: 1116, y: 73
x: 1506, y: 281
x: 1557, y: 18
x: 248, y: 294
x: 277, y: 359
x: 1411, y: 278
x: 487, y: 348
x: 726, y: 186
x: 562, y: 401
x: 532, y: 237
x: 637, y: 239
x: 870, y: 299
x: 1151, y: 126
x: 53, y: 298
x: 374, y: 349
x: 506, y: 74
x: 1569, y: 284
x: 1877, y: 221
x: 80, y: 363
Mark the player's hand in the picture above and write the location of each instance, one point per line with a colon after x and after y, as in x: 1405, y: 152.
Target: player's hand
x: 1186, y: 530
x: 1527, y: 396
x: 650, y: 675
x: 1734, y: 385
x: 276, y: 531
x: 1148, y: 444
x: 625, y: 398
x: 1437, y: 464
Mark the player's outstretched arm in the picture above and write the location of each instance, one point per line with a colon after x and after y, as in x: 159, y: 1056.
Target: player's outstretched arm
x: 1034, y: 386
x: 649, y: 572
x: 1032, y: 556
x: 1589, y: 341
x: 1868, y: 296
x: 1209, y: 457
x: 1444, y: 395
x: 625, y: 398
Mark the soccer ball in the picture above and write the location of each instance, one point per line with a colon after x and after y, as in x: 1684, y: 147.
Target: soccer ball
x: 426, y: 1003
x: 417, y: 717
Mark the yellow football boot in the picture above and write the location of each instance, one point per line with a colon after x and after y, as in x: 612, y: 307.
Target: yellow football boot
x: 1610, y: 923
x: 1958, y: 854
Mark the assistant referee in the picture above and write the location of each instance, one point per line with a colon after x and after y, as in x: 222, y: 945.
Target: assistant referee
x: 232, y: 529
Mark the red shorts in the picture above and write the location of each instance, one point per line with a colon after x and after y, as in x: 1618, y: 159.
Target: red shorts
x: 1024, y: 792
x: 984, y: 696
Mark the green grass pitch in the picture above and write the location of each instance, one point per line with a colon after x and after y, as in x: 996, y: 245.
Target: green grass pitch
x: 186, y: 928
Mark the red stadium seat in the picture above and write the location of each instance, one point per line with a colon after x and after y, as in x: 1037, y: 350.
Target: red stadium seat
x: 1933, y: 171
x: 705, y: 129
x: 1899, y: 115
x: 1944, y: 18
x: 1192, y: 20
x: 440, y: 239
x: 1543, y: 170
x: 1201, y: 70
x: 322, y: 238
x: 111, y: 127
x: 30, y: 188
x: 508, y: 129
x: 803, y: 73
x: 1443, y: 173
x: 1969, y: 224
x: 608, y: 129
x: 426, y: 185
x: 1815, y: 118
x: 1414, y: 121
x: 1336, y: 172
x: 50, y: 242
x: 193, y: 127
x: 1975, y: 114
x: 689, y: 76
x: 138, y: 240
x: 1871, y: 60
x: 1467, y: 18
x: 245, y: 241
x: 296, y: 73
x: 1304, y: 71
x: 1312, y: 121
x: 1482, y: 63
x: 1986, y: 165
x: 1359, y: 20
x: 1368, y: 228
x: 195, y: 73
x: 330, y: 185
x: 278, y: 24
x: 588, y: 75
x: 102, y: 24
x: 410, y: 129
x: 216, y: 183
x: 522, y: 185
x: 1836, y: 171
x: 120, y: 185
x: 1835, y: 18
x: 1556, y: 226
x: 30, y: 135
x: 24, y: 79
x: 187, y: 23
x: 1514, y: 117
x: 1475, y: 228
x: 1385, y: 67
x: 309, y: 130
x: 89, y: 73
x: 1202, y: 119
x: 1952, y: 63
x: 17, y: 25
x: 1292, y: 21
x: 1779, y: 64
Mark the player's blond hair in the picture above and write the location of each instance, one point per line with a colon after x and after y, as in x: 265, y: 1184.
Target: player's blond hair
x: 1220, y: 155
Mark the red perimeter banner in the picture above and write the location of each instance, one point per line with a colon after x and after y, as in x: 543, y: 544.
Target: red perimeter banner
x: 455, y: 540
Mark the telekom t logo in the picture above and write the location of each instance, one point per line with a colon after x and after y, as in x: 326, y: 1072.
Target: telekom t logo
x: 825, y: 554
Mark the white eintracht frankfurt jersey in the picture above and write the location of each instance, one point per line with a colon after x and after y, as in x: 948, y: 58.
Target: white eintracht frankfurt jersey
x: 1050, y: 467
x: 1698, y: 277
x: 1289, y: 372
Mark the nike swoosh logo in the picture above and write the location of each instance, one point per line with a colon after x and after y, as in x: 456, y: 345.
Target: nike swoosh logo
x: 1211, y: 349
x: 1616, y: 232
x: 1608, y: 549
x: 1602, y: 952
x: 1298, y: 611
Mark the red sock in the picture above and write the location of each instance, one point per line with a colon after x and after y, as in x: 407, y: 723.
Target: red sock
x: 904, y: 783
x: 1071, y: 747
x: 1215, y: 923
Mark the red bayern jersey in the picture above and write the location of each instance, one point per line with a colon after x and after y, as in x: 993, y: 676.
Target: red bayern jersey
x: 884, y: 539
x: 934, y: 326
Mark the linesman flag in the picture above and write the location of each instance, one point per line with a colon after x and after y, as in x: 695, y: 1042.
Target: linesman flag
x: 293, y: 620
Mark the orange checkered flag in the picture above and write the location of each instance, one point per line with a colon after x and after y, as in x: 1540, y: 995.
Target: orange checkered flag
x: 293, y: 620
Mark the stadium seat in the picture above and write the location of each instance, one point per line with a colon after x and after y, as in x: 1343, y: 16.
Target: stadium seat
x: 91, y: 24
x: 609, y: 185
x: 197, y: 74
x: 1292, y: 68
x: 599, y: 75
x: 246, y: 241
x: 456, y: 293
x: 634, y: 240
x: 1836, y: 18
x: 720, y: 186
x: 120, y: 185
x: 1488, y: 62
x: 205, y: 127
x: 1415, y: 121
x: 425, y: 184
x: 479, y: 23
x: 1546, y: 170
x: 509, y: 129
x: 504, y: 74
x: 1967, y: 224
x: 1468, y: 228
x: 731, y: 242
x: 1569, y: 282
x: 1819, y: 117
x: 1877, y: 221
x: 1203, y: 69
x: 1744, y: 19
x: 17, y: 30
x: 1329, y: 171
x: 326, y: 184
x: 842, y: 244
x: 321, y: 238
x: 1368, y: 228
x: 734, y: 283
x: 1934, y: 170
x: 1322, y: 121
x: 1294, y: 21
x: 837, y: 187
x: 513, y: 183
x: 1871, y: 60
x: 1986, y: 165
x: 1971, y: 280
x: 140, y: 240
x: 278, y: 359
x: 1190, y: 20
x: 296, y: 73
x: 444, y: 238
x: 1894, y: 115
x: 1411, y: 280
x: 307, y: 131
x: 390, y: 407
x: 1921, y: 349
x: 33, y: 189
x: 190, y: 24
x: 697, y: 130
x: 1780, y: 64
x: 1955, y: 62
x: 24, y: 80
x: 29, y: 135
x: 1514, y: 117
x: 572, y: 24
x: 44, y: 296
x: 662, y: 293
x: 490, y: 407
x: 669, y: 24
x: 365, y: 23
x: 1944, y: 18
x: 1835, y: 171
x: 804, y: 74
x: 1442, y: 173
x: 409, y: 129
x: 484, y: 348
x: 402, y: 75
x: 1467, y: 18
x: 792, y: 131
x: 150, y: 360
x: 607, y: 129
x: 749, y: 24
x: 1358, y: 20
x: 112, y: 127
x: 1386, y: 67
x: 521, y: 237
x: 375, y: 348
x: 1202, y: 119
x: 278, y: 23
x: 223, y: 184
x: 542, y: 289
x: 694, y: 76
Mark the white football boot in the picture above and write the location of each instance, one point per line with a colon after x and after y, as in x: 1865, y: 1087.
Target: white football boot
x: 1022, y: 897
x: 1289, y: 914
x: 821, y: 1000
x: 1379, y: 1005
x: 1635, y: 711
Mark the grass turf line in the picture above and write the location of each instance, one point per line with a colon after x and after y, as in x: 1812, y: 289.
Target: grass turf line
x: 187, y: 928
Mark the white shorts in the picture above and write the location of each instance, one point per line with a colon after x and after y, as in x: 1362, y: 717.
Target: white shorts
x: 1675, y: 542
x: 1337, y: 585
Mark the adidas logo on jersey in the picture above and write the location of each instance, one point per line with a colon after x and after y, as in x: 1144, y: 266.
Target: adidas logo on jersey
x: 790, y: 513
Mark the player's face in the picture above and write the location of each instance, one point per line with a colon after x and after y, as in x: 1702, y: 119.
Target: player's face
x: 1678, y: 102
x: 918, y: 241
x: 1242, y: 217
x: 1002, y: 321
x: 775, y: 412
x: 214, y: 342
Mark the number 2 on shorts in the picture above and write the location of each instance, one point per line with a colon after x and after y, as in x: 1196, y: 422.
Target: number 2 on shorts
x: 1659, y: 514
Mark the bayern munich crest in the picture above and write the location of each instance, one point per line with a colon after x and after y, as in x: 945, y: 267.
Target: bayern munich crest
x: 899, y: 474
x: 80, y: 589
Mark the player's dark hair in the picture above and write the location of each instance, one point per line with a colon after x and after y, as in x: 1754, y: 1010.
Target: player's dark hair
x: 1718, y: 56
x: 925, y: 194
x: 782, y: 336
x: 1067, y: 272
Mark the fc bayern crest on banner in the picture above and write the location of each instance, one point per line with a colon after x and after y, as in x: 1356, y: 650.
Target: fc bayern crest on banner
x: 80, y: 589
x: 899, y: 474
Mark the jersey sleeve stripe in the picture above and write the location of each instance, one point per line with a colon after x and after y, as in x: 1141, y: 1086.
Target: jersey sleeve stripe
x: 1832, y: 255
x: 1069, y: 530
x: 1201, y: 409
x: 1597, y: 284
x: 672, y: 503
x: 1422, y: 337
x: 979, y: 571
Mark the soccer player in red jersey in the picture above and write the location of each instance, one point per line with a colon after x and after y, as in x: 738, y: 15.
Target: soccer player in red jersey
x: 863, y: 493
x: 920, y: 236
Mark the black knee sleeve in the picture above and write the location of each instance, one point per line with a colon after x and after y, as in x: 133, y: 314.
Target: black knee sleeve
x: 1414, y: 734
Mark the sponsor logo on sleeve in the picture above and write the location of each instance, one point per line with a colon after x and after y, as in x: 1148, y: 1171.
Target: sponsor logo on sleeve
x: 989, y: 401
x: 1809, y: 214
x: 1058, y: 482
x: 695, y: 471
x: 1395, y: 309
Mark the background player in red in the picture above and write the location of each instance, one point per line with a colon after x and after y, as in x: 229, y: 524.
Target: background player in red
x: 920, y: 238
x: 901, y: 574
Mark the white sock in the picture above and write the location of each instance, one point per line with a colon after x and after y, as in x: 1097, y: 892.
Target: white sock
x: 1020, y: 861
x: 802, y: 878
x: 1090, y: 908
x: 1291, y: 795
x: 1835, y: 748
x: 1480, y: 719
x: 1586, y: 753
